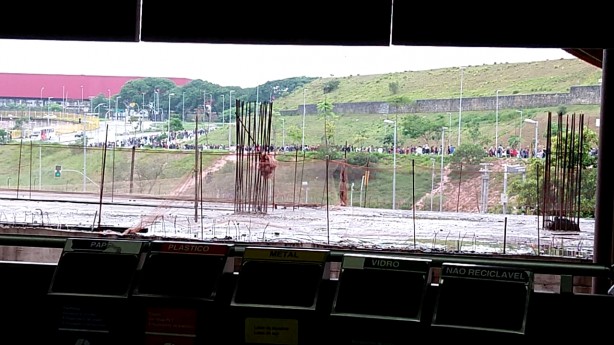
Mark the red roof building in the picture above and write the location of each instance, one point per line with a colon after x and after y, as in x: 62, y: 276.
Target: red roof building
x: 60, y: 86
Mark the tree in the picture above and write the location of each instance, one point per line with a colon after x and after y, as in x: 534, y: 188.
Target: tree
x: 331, y: 86
x: 176, y: 124
x: 474, y: 132
x: 513, y: 141
x: 388, y: 139
x: 469, y: 154
x: 415, y: 126
x: 393, y: 87
x: 325, y: 110
x: 4, y: 136
x: 529, y: 194
x: 526, y: 190
x: 154, y: 91
x: 19, y: 122
x: 360, y: 137
x: 295, y: 134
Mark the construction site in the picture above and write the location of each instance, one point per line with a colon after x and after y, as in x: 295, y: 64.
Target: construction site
x: 259, y: 195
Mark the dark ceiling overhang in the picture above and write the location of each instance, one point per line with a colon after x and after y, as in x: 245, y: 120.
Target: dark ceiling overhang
x: 315, y: 22
x: 592, y: 56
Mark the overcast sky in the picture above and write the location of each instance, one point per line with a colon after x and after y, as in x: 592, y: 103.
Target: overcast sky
x: 244, y: 65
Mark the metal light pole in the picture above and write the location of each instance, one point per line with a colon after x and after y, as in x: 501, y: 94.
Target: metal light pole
x: 520, y: 131
x: 536, y: 123
x: 116, y: 106
x: 84, y: 136
x: 223, y: 108
x: 183, y: 107
x: 443, y: 130
x: 205, y: 103
x: 394, y: 163
x: 303, y: 138
x: 450, y: 126
x: 168, y: 136
x: 143, y: 107
x: 84, y: 157
x: 48, y: 115
x: 283, y: 132
x: 109, y: 106
x: 229, y: 113
x: 460, y: 108
x: 432, y: 180
x: 497, y: 121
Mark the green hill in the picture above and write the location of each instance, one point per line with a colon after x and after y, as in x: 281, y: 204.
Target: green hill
x: 540, y: 77
x: 510, y: 78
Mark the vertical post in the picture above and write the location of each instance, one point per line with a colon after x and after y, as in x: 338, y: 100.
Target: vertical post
x: 132, y: 168
x: 109, y: 105
x: 113, y: 172
x: 283, y: 132
x: 40, y: 167
x: 520, y: 130
x: 443, y: 130
x: 84, y: 137
x: 497, y: 121
x: 432, y: 180
x: 48, y: 115
x: 603, y: 242
x: 229, y: 113
x: 116, y: 111
x: 504, y: 196
x: 394, y: 168
x: 460, y: 109
x: 304, y: 112
x: 30, y: 169
x: 224, y: 108
x: 183, y: 107
x: 536, y: 132
x: 450, y: 126
x: 168, y: 136
x: 196, y: 169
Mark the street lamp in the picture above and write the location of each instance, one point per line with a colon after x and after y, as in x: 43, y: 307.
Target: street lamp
x: 520, y: 132
x: 109, y: 106
x: 116, y: 106
x: 229, y: 113
x: 460, y: 107
x: 84, y: 136
x: 432, y: 180
x: 283, y: 133
x: 450, y: 115
x: 168, y: 139
x: 42, y: 88
x: 183, y: 107
x: 394, y: 163
x: 443, y: 130
x: 303, y: 140
x: 48, y: 115
x: 497, y: 121
x: 536, y: 123
x: 223, y: 107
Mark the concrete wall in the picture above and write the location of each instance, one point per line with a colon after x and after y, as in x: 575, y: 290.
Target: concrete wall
x: 576, y: 95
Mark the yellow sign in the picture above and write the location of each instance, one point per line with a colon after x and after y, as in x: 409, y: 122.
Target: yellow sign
x: 285, y: 254
x: 271, y: 331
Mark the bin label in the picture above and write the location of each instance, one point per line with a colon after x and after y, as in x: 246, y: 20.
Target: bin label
x: 271, y: 331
